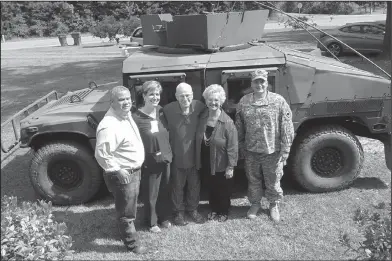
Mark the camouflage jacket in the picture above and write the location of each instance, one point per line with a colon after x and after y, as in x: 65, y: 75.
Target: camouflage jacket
x: 264, y: 126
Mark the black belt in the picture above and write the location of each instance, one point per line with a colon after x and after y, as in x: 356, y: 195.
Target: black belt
x: 130, y: 171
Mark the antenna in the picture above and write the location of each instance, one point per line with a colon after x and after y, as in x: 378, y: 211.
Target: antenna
x: 299, y: 23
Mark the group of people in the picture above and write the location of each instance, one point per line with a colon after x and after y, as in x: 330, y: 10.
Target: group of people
x: 168, y: 152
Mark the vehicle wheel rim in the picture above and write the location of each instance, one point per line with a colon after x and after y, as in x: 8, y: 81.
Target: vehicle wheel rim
x: 334, y: 48
x: 327, y: 162
x: 65, y: 174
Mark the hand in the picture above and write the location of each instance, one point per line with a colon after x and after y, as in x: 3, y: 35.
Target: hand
x: 283, y: 157
x: 122, y: 176
x: 229, y: 173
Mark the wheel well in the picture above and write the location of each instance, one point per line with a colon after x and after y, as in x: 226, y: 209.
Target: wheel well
x: 42, y: 139
x: 353, y: 124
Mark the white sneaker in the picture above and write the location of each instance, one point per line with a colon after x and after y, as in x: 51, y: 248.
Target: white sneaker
x: 252, y: 212
x: 155, y: 229
x: 274, y: 212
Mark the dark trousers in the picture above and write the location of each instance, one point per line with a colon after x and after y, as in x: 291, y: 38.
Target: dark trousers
x: 189, y: 179
x: 155, y: 186
x: 125, y: 200
x: 219, y: 192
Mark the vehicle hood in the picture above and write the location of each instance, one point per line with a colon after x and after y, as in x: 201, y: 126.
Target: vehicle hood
x: 62, y: 110
x: 323, y: 63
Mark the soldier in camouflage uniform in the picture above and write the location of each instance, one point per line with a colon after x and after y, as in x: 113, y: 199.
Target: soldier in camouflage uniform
x: 265, y: 133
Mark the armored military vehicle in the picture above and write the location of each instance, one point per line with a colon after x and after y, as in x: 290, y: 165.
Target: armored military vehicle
x: 332, y: 102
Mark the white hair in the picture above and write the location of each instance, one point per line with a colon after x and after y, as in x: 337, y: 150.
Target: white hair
x: 116, y: 90
x: 183, y: 85
x: 215, y: 88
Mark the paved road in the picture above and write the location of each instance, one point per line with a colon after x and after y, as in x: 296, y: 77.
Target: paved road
x: 290, y: 36
x: 322, y: 21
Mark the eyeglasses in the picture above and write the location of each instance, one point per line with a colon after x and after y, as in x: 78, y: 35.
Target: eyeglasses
x: 184, y: 95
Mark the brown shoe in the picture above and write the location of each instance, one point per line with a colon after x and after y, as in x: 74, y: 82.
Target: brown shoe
x: 179, y: 220
x: 195, y: 215
x: 139, y: 250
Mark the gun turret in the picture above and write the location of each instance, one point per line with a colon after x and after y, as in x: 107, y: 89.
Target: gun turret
x: 210, y: 31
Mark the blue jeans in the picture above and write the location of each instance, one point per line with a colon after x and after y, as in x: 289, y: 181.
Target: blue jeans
x: 125, y: 192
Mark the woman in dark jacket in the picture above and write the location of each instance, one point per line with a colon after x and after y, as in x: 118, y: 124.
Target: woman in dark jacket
x: 158, y: 155
x: 217, y: 152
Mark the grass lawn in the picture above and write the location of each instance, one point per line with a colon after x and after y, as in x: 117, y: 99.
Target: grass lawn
x: 309, y: 230
x: 29, y: 74
x: 311, y: 223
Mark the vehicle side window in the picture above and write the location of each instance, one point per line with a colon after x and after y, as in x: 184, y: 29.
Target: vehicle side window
x: 369, y: 29
x: 168, y: 81
x: 138, y: 33
x: 354, y: 29
x: 239, y: 85
x: 167, y: 96
x: 344, y: 29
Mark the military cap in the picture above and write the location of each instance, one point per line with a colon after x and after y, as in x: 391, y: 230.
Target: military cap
x: 259, y: 74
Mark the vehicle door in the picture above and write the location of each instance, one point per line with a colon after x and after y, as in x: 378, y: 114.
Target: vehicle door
x: 236, y: 84
x: 137, y: 36
x: 374, y: 37
x: 352, y: 36
x: 168, y: 81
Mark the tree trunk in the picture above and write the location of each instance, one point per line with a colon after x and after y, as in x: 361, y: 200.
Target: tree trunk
x: 388, y: 29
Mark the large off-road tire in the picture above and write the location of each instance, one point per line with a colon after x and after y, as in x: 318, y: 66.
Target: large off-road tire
x: 65, y: 173
x: 326, y: 158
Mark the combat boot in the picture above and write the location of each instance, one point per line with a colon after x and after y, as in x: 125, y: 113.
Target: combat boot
x: 195, y: 215
x: 252, y: 212
x: 274, y: 212
x: 179, y: 220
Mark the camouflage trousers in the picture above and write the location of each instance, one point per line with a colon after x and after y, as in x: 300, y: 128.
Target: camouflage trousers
x: 261, y: 167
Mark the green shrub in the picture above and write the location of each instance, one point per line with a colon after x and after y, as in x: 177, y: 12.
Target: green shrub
x: 375, y: 226
x: 108, y: 27
x: 29, y: 232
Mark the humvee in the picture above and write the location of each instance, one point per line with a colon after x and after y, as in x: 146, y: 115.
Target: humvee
x: 332, y: 102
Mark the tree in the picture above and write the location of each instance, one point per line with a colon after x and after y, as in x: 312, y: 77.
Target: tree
x: 388, y: 28
x: 108, y: 27
x: 129, y: 25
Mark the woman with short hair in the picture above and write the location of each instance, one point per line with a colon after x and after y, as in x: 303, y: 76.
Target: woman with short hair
x: 217, y: 151
x: 158, y: 155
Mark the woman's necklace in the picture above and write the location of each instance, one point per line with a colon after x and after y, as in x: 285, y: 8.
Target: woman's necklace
x: 207, y: 141
x: 211, y: 121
